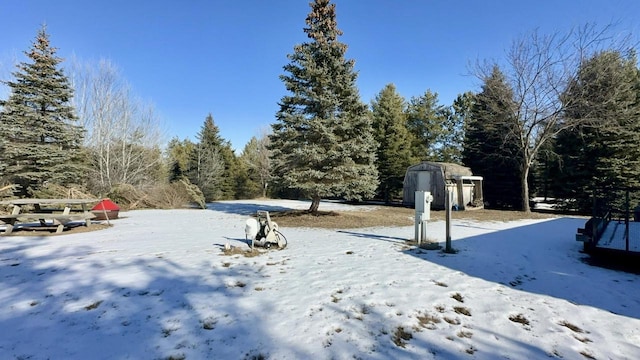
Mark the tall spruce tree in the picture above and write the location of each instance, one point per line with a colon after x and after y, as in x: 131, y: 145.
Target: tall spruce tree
x: 453, y: 138
x: 42, y: 142
x: 179, y: 158
x: 390, y: 130
x: 490, y: 147
x: 602, y: 152
x: 427, y: 122
x: 208, y: 165
x: 322, y: 142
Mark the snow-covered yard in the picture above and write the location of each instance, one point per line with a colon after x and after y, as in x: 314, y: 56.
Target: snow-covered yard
x: 157, y: 286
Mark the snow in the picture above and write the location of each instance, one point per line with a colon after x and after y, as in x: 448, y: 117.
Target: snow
x: 614, y: 236
x: 156, y: 285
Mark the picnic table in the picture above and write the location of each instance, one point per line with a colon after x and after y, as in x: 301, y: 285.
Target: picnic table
x: 46, y: 213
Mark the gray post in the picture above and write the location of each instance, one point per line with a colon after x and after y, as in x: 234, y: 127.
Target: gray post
x: 626, y: 221
x: 447, y: 205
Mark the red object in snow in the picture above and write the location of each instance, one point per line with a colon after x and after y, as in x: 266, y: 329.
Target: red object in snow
x: 105, y: 210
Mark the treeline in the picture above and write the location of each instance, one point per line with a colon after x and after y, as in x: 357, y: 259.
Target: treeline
x: 557, y: 118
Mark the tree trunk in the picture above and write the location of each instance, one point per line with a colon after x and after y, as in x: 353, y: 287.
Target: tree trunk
x: 525, y: 188
x: 315, y: 203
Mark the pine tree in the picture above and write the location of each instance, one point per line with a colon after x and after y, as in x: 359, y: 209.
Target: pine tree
x: 603, y: 151
x: 178, y: 155
x: 394, y: 154
x: 209, y: 169
x: 323, y: 142
x: 453, y: 137
x: 234, y: 178
x: 42, y: 142
x: 427, y: 122
x: 490, y: 147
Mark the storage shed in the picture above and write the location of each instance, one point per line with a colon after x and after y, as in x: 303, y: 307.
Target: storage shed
x: 436, y: 177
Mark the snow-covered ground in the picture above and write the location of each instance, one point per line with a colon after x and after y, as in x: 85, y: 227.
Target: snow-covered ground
x: 156, y: 285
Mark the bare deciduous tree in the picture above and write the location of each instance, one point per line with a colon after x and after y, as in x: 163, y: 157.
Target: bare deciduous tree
x: 208, y: 171
x: 257, y: 158
x: 540, y: 69
x: 123, y: 132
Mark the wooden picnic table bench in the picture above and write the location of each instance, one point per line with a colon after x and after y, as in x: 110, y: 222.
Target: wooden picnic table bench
x: 57, y: 217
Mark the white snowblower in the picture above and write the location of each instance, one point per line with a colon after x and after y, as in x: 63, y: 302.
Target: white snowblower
x: 264, y: 232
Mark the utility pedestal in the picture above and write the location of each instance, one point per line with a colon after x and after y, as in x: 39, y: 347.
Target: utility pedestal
x: 423, y: 201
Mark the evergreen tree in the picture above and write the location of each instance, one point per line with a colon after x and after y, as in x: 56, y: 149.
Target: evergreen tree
x: 603, y: 151
x: 540, y: 69
x: 179, y: 154
x: 394, y: 154
x: 323, y: 141
x: 490, y: 147
x: 427, y: 122
x: 41, y: 140
x: 453, y: 138
x: 209, y: 169
x: 235, y: 179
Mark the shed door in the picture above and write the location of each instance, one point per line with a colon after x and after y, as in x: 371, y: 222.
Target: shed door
x: 424, y: 181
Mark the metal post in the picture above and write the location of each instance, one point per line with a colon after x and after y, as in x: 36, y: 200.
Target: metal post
x: 626, y: 221
x: 447, y: 205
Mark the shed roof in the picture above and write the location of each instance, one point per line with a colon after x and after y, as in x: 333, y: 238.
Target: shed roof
x: 449, y: 169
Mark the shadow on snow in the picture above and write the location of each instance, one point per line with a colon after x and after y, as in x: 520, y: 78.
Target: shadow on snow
x: 541, y: 258
x: 74, y: 307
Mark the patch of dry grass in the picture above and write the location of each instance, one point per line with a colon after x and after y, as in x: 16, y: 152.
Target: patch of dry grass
x: 571, y: 327
x: 234, y: 250
x: 369, y: 216
x: 401, y: 336
x: 93, y: 306
x: 373, y: 216
x: 462, y: 310
x: 428, y: 321
x: 519, y: 318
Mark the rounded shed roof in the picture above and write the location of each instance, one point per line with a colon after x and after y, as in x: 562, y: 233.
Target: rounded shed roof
x: 449, y: 169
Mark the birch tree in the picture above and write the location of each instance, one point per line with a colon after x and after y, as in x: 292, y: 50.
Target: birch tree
x: 123, y: 132
x: 256, y: 157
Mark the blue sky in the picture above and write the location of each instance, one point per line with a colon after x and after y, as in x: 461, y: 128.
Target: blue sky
x: 224, y: 57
